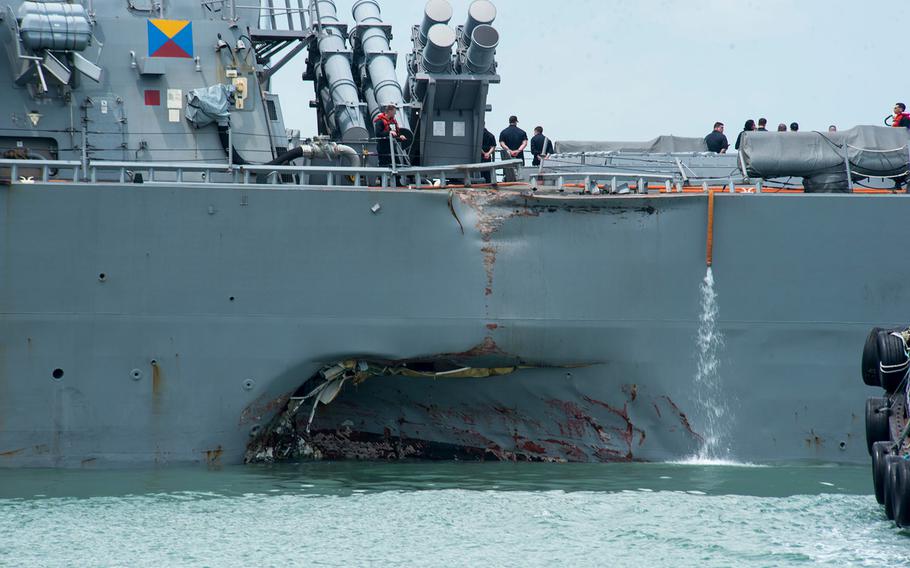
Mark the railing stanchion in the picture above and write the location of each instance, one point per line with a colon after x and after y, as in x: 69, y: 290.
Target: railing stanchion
x: 84, y: 152
x: 847, y: 164
x: 230, y: 148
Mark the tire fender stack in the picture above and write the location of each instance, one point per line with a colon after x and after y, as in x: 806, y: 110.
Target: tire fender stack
x: 885, y: 365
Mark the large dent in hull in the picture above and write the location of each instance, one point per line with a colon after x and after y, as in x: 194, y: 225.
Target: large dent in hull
x: 501, y: 416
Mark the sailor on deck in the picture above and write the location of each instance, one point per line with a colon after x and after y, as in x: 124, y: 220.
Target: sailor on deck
x: 901, y: 118
x: 540, y: 146
x: 384, y: 125
x: 487, y: 148
x: 513, y: 141
x: 716, y: 141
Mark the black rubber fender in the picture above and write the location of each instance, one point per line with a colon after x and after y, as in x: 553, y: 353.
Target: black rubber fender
x: 902, y: 494
x: 870, y: 359
x: 893, y: 361
x: 890, y: 484
x: 878, y: 428
x: 880, y: 451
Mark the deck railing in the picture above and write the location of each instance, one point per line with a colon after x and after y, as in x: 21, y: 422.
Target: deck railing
x: 34, y: 171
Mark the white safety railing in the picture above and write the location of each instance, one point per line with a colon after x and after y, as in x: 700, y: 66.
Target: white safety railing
x: 21, y: 170
x: 270, y: 14
x: 202, y: 173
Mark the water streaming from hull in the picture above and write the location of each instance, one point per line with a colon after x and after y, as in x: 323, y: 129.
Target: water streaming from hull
x: 712, y: 405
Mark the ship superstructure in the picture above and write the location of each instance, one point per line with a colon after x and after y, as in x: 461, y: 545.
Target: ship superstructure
x: 185, y: 278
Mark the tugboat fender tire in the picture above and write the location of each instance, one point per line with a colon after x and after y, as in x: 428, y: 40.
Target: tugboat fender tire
x: 878, y: 428
x: 879, y: 453
x: 893, y: 361
x: 902, y: 494
x: 870, y: 359
x: 890, y: 488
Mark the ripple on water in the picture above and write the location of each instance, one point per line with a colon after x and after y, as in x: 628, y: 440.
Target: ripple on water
x: 426, y: 515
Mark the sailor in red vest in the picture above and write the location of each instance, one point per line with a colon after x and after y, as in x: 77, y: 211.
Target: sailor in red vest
x: 384, y: 125
x: 901, y: 117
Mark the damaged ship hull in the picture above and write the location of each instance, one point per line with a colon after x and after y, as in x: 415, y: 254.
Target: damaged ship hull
x: 148, y: 323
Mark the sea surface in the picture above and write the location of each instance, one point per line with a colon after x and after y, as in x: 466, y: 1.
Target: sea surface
x: 448, y: 514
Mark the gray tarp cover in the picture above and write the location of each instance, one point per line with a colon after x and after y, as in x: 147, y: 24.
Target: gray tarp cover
x: 873, y: 151
x: 659, y: 145
x: 209, y: 104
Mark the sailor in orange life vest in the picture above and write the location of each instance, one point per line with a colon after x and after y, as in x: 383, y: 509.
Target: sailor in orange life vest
x: 384, y: 125
x: 901, y: 118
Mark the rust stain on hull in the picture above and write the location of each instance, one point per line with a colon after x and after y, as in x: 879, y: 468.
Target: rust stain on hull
x: 212, y: 457
x: 11, y: 453
x: 487, y: 347
x: 683, y: 419
x: 157, y: 382
x: 256, y: 410
x: 492, y: 213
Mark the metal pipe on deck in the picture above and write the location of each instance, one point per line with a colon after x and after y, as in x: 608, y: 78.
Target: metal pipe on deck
x: 437, y: 53
x: 481, y: 54
x: 709, y: 247
x: 337, y: 68
x: 436, y: 12
x: 481, y: 12
x: 379, y: 60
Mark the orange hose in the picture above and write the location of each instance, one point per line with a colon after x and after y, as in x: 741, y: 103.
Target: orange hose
x: 709, y: 253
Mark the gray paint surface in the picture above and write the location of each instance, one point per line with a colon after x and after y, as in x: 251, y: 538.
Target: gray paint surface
x: 607, y: 282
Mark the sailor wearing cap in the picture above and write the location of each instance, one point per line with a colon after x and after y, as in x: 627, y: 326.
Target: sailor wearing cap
x: 513, y: 141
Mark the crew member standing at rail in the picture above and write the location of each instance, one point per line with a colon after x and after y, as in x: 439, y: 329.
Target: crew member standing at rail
x: 540, y: 146
x: 487, y: 148
x: 749, y: 127
x: 384, y: 125
x: 762, y: 124
x: 716, y: 140
x: 513, y: 141
x: 901, y: 118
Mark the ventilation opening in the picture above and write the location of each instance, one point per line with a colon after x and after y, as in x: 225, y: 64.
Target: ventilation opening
x: 57, y: 374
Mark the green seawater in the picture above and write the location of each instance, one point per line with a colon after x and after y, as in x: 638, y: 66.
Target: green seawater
x: 448, y: 514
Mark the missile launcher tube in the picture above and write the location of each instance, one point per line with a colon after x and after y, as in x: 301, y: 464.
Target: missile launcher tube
x: 436, y: 12
x: 337, y: 68
x: 481, y: 12
x: 437, y: 53
x: 379, y: 60
x: 481, y: 54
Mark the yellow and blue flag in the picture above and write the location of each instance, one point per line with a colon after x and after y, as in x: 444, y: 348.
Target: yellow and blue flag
x: 170, y: 38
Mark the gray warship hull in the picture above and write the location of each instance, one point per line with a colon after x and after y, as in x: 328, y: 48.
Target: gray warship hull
x: 154, y: 323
